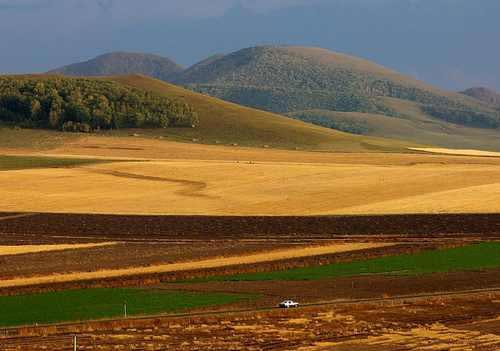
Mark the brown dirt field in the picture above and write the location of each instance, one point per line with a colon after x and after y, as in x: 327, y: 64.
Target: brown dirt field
x: 225, y: 188
x: 404, y: 324
x: 346, y: 288
x: 55, y: 227
x: 193, y: 265
x: 25, y: 249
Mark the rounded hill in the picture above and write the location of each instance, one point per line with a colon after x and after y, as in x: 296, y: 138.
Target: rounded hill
x: 121, y: 63
x: 288, y: 79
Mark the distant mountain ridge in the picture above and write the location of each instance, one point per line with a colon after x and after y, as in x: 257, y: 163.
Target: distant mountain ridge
x: 486, y: 95
x: 122, y: 63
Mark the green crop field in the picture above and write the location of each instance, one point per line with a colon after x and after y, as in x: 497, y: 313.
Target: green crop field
x: 8, y: 163
x: 472, y: 257
x: 78, y: 305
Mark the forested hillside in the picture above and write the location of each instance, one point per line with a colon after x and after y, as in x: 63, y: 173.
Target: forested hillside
x: 288, y: 79
x: 84, y: 105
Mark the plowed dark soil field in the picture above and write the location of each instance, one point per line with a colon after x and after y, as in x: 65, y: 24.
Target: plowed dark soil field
x: 121, y: 227
x: 358, y: 287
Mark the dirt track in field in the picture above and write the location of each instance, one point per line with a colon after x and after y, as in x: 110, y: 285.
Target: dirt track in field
x: 186, y: 266
x: 192, y: 188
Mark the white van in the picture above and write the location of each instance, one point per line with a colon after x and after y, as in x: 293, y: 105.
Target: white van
x: 288, y: 304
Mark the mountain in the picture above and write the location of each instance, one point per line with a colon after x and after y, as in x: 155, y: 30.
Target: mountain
x: 486, y: 95
x: 290, y: 79
x: 118, y: 63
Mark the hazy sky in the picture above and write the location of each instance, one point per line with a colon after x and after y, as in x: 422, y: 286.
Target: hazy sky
x: 451, y: 43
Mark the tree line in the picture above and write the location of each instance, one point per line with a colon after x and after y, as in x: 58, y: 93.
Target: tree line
x: 85, y: 105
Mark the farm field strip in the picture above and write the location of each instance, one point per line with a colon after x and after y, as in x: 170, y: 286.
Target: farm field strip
x: 472, y: 257
x: 24, y: 249
x: 200, y: 264
x: 88, y: 304
x: 57, y: 226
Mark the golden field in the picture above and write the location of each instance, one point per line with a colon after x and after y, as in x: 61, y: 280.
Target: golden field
x: 163, y: 177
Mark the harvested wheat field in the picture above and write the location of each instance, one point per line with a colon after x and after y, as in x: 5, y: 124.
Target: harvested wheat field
x: 24, y: 249
x: 253, y: 188
x: 195, y: 265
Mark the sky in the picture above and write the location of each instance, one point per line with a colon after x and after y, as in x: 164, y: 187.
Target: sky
x: 449, y: 43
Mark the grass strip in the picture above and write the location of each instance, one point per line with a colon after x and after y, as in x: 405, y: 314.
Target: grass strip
x: 90, y: 304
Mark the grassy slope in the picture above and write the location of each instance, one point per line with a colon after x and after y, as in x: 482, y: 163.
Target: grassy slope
x: 415, y: 126
x: 75, y: 305
x: 473, y: 257
x: 225, y: 122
